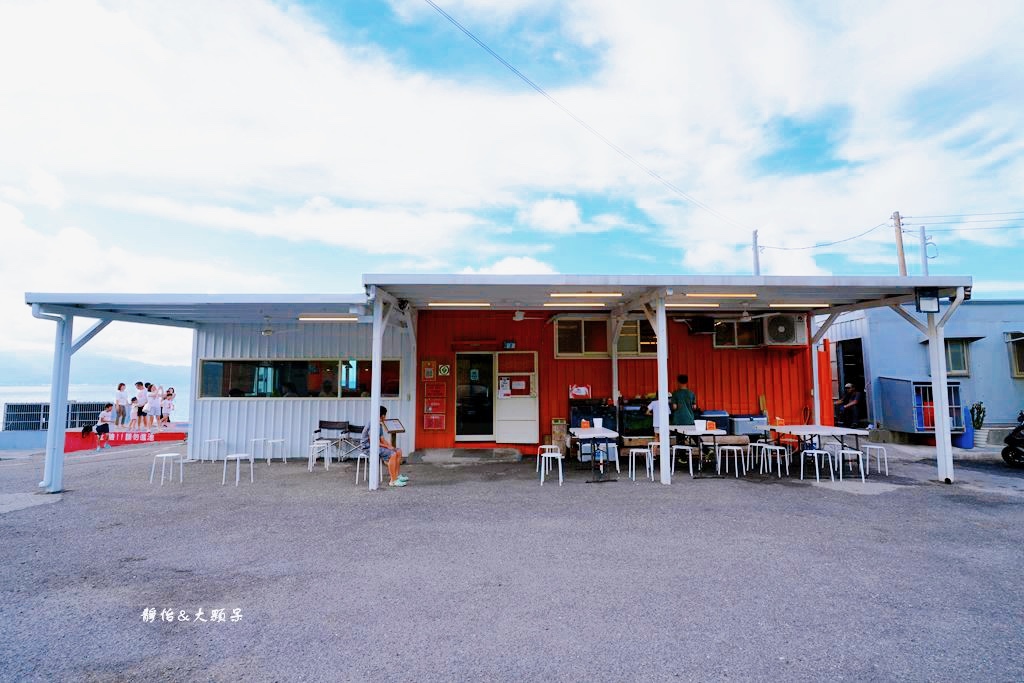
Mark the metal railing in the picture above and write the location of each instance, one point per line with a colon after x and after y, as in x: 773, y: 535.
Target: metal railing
x: 31, y: 417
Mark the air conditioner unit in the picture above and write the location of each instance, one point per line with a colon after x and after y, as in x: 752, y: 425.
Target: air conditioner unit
x: 785, y: 329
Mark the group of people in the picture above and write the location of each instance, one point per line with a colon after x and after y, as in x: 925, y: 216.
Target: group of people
x: 149, y: 408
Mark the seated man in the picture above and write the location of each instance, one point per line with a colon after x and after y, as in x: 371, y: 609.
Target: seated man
x: 849, y: 406
x: 393, y: 456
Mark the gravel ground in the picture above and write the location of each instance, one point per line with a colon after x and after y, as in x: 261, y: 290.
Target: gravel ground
x: 478, y: 573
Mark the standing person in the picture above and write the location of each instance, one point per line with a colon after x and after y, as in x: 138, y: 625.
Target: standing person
x: 141, y: 398
x: 393, y: 456
x: 133, y: 410
x: 684, y: 403
x: 121, y: 405
x: 153, y: 398
x: 102, y: 428
x: 849, y: 406
x: 654, y: 408
x: 166, y: 407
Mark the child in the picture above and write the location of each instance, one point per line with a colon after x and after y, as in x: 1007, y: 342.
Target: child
x: 133, y: 408
x: 103, y: 426
x: 166, y: 406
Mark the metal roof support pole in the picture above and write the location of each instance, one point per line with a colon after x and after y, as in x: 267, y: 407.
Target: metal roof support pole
x: 412, y: 376
x: 940, y: 399
x: 373, y: 418
x: 53, y: 467
x: 617, y: 321
x: 192, y: 450
x: 662, y: 426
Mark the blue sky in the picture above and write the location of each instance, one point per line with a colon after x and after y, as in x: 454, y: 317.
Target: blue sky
x: 293, y: 146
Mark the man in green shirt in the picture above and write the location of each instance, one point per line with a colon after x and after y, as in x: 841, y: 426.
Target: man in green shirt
x: 684, y: 403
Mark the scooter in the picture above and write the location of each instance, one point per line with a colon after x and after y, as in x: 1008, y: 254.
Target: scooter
x: 1013, y: 454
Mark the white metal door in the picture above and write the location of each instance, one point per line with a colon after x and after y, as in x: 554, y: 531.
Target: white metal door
x: 516, y: 405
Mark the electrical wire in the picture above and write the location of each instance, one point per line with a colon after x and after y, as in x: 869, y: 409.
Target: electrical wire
x: 586, y: 126
x: 982, y: 220
x: 986, y: 227
x: 826, y: 244
x: 968, y: 215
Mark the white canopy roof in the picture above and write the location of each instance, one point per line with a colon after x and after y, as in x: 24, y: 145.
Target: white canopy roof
x: 731, y: 293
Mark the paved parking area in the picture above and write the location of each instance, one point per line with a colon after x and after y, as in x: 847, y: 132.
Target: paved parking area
x: 476, y: 572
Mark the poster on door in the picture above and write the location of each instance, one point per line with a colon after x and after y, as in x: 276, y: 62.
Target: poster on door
x: 504, y: 387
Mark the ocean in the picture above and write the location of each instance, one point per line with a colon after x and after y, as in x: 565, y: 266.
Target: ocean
x: 40, y: 393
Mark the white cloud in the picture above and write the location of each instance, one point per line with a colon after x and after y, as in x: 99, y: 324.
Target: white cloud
x: 514, y: 265
x: 259, y: 121
x: 72, y: 260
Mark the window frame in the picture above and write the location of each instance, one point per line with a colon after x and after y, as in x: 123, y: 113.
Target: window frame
x: 582, y: 353
x: 1012, y: 343
x: 637, y: 324
x: 755, y: 326
x: 338, y: 361
x: 966, y: 346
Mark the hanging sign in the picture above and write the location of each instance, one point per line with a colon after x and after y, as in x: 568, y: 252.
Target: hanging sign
x: 579, y: 391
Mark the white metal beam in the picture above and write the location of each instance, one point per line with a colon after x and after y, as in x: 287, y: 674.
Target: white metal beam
x: 615, y: 331
x: 89, y: 334
x: 110, y: 315
x: 377, y: 348
x: 910, y: 319
x: 661, y: 329
x: 53, y: 465
x: 940, y: 399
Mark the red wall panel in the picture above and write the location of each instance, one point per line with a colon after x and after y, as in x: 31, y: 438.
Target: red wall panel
x: 723, y: 379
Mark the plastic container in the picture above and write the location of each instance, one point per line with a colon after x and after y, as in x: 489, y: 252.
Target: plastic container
x: 598, y: 422
x: 965, y: 439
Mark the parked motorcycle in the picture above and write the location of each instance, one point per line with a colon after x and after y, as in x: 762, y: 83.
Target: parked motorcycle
x: 1013, y: 454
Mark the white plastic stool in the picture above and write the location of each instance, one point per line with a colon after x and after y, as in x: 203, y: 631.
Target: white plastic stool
x: 268, y: 449
x: 689, y: 457
x: 547, y: 454
x: 261, y: 440
x: 180, y: 462
x: 317, y: 448
x: 165, y: 459
x: 238, y: 458
x: 215, y: 445
x: 738, y: 459
x: 633, y: 454
x: 817, y: 455
x: 880, y: 454
x: 545, y: 449
x: 843, y: 453
x: 769, y: 452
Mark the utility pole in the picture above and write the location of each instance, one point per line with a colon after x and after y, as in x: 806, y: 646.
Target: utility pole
x: 924, y: 252
x: 899, y: 243
x: 757, y: 256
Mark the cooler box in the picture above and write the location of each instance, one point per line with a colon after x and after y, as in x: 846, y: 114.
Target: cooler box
x: 719, y: 417
x: 749, y: 425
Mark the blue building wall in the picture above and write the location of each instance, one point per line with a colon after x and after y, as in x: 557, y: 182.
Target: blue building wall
x: 893, y: 348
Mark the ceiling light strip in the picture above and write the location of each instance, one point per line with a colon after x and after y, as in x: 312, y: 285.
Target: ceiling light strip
x: 328, y: 318
x: 586, y: 295
x: 576, y: 304
x: 819, y: 305
x: 459, y: 304
x: 722, y: 295
x: 707, y: 305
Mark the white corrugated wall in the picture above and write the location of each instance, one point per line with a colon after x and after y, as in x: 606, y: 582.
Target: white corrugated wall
x: 238, y: 420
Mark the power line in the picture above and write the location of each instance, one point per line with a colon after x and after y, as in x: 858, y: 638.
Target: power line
x: 968, y: 215
x: 590, y: 129
x: 827, y: 244
x: 981, y: 220
x: 986, y: 227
